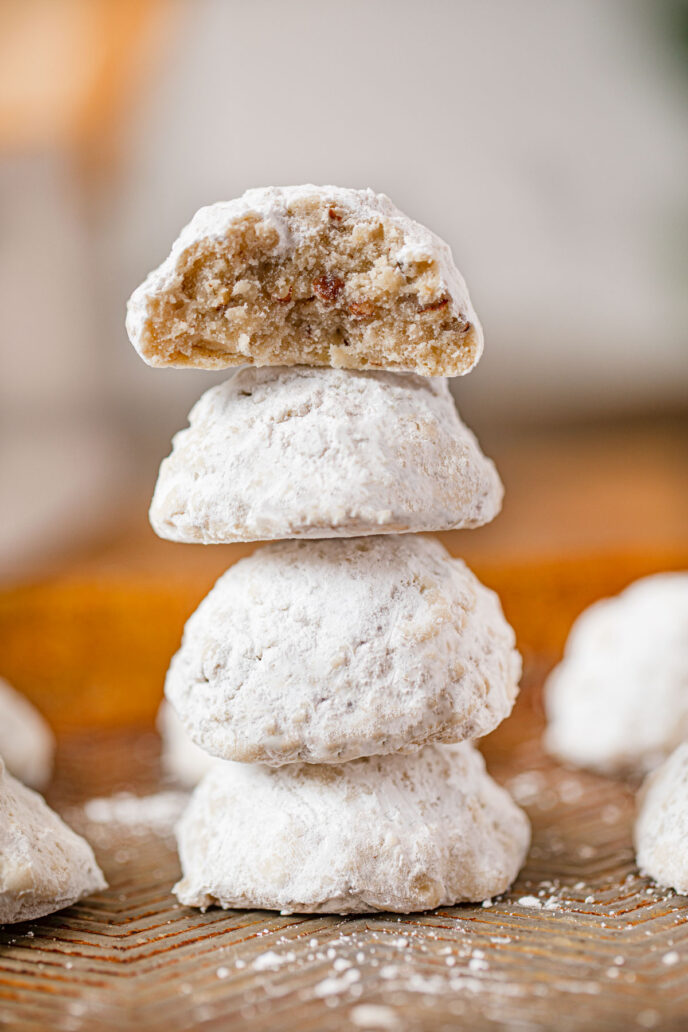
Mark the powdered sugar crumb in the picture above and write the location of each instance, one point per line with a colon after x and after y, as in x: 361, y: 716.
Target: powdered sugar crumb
x: 374, y: 1016
x: 155, y: 813
x: 271, y: 960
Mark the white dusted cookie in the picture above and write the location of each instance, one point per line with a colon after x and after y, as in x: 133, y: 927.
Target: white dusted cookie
x: 307, y: 275
x: 44, y: 865
x: 27, y: 744
x: 324, y: 651
x: 661, y: 827
x: 618, y: 701
x: 181, y: 758
x: 400, y: 833
x: 311, y: 453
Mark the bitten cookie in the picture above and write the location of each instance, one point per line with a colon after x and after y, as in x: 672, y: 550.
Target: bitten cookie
x: 661, y: 828
x: 44, y: 865
x: 181, y: 758
x: 618, y: 701
x: 399, y: 833
x: 313, y: 453
x: 324, y: 651
x: 307, y: 275
x: 26, y: 742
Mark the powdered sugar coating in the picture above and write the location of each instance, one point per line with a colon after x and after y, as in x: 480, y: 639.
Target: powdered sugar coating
x: 272, y: 207
x: 181, y: 758
x: 325, y: 651
x: 27, y: 744
x: 44, y: 865
x: 399, y: 833
x: 661, y: 827
x: 619, y: 699
x: 299, y: 452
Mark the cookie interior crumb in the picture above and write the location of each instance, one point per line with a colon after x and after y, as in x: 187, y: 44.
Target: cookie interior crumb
x: 336, y: 295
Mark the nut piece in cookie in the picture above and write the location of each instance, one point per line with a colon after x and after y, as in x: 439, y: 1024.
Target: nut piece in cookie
x: 294, y: 452
x: 307, y: 275
x: 399, y: 833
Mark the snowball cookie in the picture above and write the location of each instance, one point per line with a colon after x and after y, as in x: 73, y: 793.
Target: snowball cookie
x: 661, y: 828
x: 26, y: 742
x: 396, y: 833
x: 307, y: 275
x: 44, y: 865
x: 312, y: 453
x: 181, y: 758
x: 618, y: 701
x: 327, y: 650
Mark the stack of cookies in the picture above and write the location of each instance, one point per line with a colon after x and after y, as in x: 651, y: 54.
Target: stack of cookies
x: 347, y: 667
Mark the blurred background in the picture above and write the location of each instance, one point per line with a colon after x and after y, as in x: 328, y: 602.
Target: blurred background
x: 545, y: 141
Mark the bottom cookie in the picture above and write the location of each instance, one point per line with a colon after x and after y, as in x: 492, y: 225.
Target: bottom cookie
x: 396, y: 833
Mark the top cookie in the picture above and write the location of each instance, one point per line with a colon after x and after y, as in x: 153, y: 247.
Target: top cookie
x: 307, y: 275
x: 618, y: 701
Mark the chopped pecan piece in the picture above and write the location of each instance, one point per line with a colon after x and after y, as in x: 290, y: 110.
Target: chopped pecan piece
x: 334, y: 214
x: 362, y: 309
x: 435, y: 305
x: 328, y: 288
x: 285, y: 299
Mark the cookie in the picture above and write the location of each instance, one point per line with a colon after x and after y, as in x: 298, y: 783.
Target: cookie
x: 399, y: 833
x: 325, y: 651
x: 313, y: 453
x: 661, y: 827
x: 307, y: 275
x: 618, y: 701
x: 44, y: 865
x: 181, y: 759
x: 26, y: 742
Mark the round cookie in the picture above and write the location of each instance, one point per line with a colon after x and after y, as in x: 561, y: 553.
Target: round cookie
x: 324, y: 651
x: 661, y: 827
x: 618, y: 701
x: 399, y: 833
x: 181, y: 759
x: 26, y: 742
x: 307, y: 275
x: 44, y: 865
x: 312, y: 453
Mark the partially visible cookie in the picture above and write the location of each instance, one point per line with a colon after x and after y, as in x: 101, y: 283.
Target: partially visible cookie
x: 181, y: 758
x: 26, y: 742
x: 399, y: 833
x: 44, y: 865
x: 314, y: 453
x: 661, y: 827
x: 324, y: 651
x: 618, y: 701
x: 307, y: 275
